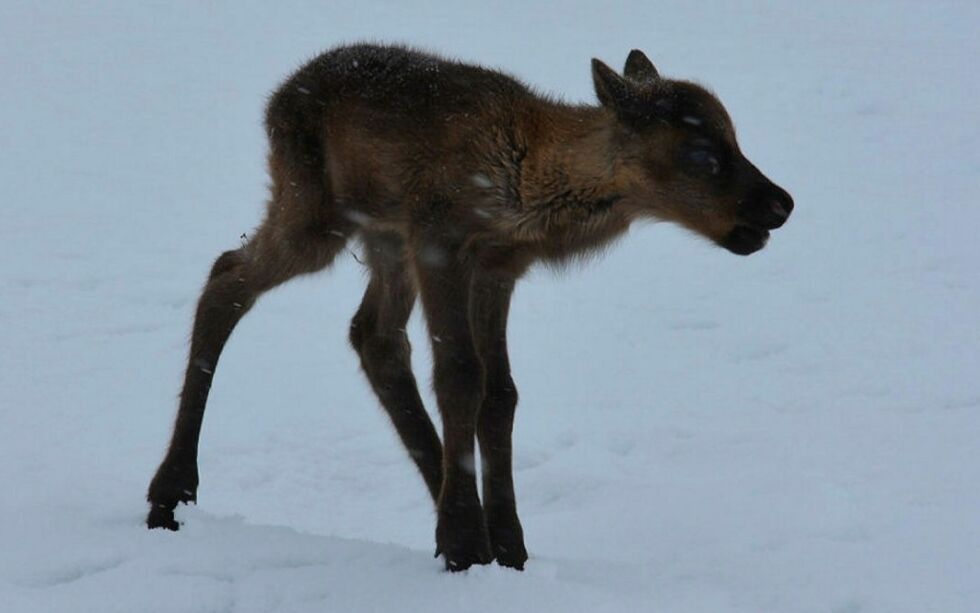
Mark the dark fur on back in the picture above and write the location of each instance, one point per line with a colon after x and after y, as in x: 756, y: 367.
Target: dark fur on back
x: 399, y: 128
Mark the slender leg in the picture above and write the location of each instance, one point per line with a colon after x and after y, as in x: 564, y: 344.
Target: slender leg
x: 490, y: 304
x: 302, y: 233
x: 444, y: 283
x: 237, y: 279
x: 378, y: 334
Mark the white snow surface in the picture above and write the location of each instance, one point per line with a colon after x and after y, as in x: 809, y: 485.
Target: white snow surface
x: 797, y: 431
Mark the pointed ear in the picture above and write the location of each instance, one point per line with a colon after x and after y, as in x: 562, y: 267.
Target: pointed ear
x: 612, y: 89
x: 639, y: 68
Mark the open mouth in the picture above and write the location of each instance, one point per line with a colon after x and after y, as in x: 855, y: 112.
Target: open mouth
x: 744, y: 240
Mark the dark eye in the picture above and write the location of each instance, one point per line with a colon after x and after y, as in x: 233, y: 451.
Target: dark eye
x: 705, y: 160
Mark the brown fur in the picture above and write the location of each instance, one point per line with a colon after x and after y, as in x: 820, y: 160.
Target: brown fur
x: 457, y: 179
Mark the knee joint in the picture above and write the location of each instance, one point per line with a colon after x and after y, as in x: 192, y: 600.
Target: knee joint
x: 378, y: 347
x: 501, y: 395
x: 361, y: 329
x: 225, y: 262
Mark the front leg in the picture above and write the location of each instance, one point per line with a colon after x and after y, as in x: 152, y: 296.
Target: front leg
x: 490, y: 304
x: 444, y: 284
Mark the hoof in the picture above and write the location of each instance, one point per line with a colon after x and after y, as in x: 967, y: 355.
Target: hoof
x: 172, y: 485
x: 513, y: 557
x: 462, y: 560
x: 462, y: 539
x: 507, y: 540
x: 161, y: 516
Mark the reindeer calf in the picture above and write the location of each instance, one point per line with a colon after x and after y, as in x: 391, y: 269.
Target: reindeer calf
x: 456, y: 179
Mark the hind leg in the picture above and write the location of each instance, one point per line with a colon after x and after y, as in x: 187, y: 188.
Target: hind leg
x: 301, y: 234
x: 378, y: 335
x: 238, y: 278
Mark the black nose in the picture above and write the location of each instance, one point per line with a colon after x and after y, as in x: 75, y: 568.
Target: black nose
x: 781, y: 206
x: 768, y: 207
x: 782, y: 203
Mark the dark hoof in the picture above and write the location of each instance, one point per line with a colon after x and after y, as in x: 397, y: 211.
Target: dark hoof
x: 507, y: 540
x: 512, y: 555
x: 161, y: 517
x: 171, y: 486
x: 461, y: 560
x: 462, y: 539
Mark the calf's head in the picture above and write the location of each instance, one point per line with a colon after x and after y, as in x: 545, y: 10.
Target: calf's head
x: 676, y: 150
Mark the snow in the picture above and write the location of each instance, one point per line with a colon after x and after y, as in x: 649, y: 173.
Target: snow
x: 796, y: 431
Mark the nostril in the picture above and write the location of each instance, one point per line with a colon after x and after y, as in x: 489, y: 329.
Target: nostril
x: 782, y: 197
x: 781, y: 205
x: 778, y: 209
x: 769, y: 207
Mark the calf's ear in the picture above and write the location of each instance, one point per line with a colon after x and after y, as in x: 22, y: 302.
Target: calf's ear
x: 639, y: 68
x: 614, y: 91
x: 633, y: 105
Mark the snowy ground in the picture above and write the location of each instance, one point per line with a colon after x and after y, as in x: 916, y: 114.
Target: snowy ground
x: 798, y: 431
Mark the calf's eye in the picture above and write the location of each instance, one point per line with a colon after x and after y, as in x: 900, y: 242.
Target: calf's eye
x: 705, y: 161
